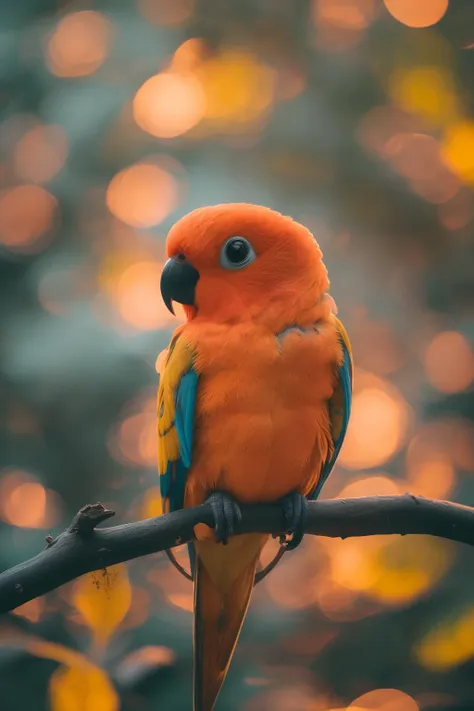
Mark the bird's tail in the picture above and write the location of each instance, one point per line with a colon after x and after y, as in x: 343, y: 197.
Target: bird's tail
x: 224, y: 578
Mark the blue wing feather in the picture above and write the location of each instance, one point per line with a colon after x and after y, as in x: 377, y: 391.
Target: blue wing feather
x: 345, y: 383
x: 185, y: 404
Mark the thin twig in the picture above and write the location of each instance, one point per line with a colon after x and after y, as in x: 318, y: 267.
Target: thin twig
x: 82, y: 548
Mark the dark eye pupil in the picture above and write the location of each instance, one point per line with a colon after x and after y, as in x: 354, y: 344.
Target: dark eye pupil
x: 237, y: 251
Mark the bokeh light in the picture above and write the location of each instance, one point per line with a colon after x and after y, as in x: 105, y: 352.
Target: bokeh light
x: 339, y: 603
x: 296, y: 694
x: 349, y: 14
x: 378, y: 425
x: 239, y: 89
x: 428, y: 91
x: 27, y: 213
x: 142, y: 195
x: 132, y: 284
x: 405, y: 569
x: 139, y: 298
x: 458, y: 149
x: 133, y: 441
x: 379, y: 125
x: 40, y: 154
x: 169, y: 104
x: 434, y: 169
x: 418, y: 158
x: 388, y: 357
x: 340, y: 24
x: 449, y: 362
x: 458, y: 211
x: 165, y: 13
x: 421, y: 13
x: 384, y: 700
x: 430, y: 471
x: 299, y: 594
x: 79, y: 44
x: 375, y: 485
x: 183, y: 601
x: 449, y: 440
x: 393, y: 572
x: 24, y: 501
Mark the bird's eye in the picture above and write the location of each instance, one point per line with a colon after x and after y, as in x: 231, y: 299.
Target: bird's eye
x: 237, y: 253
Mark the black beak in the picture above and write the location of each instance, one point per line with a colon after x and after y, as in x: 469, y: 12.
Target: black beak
x: 178, y: 281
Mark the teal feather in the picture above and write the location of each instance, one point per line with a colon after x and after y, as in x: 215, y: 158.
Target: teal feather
x: 185, y: 406
x: 345, y: 379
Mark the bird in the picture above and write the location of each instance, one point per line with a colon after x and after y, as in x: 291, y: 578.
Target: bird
x: 254, y: 400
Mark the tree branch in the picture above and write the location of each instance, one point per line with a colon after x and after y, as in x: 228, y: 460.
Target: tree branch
x: 82, y: 548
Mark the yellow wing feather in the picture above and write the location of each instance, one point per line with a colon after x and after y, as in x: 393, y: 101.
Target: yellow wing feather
x: 172, y: 364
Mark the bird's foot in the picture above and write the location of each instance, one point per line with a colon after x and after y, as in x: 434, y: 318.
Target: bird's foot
x: 227, y: 515
x: 295, y: 508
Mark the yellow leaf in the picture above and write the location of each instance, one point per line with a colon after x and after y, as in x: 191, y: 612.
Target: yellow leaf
x: 82, y: 688
x: 103, y: 599
x: 51, y: 650
x: 449, y: 644
x: 79, y: 685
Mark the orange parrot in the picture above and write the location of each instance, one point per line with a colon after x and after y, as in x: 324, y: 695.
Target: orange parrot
x: 253, y: 401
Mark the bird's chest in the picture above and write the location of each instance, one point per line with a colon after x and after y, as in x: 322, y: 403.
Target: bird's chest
x: 258, y: 373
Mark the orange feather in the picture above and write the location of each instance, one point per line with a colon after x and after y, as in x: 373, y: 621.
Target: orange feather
x: 224, y: 578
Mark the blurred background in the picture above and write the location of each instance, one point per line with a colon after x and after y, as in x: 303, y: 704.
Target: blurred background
x: 355, y: 117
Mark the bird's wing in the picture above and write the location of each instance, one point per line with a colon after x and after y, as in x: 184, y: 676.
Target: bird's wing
x: 177, y: 391
x: 339, y: 406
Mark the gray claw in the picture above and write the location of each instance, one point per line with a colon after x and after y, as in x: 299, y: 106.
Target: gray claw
x: 295, y: 507
x: 227, y: 515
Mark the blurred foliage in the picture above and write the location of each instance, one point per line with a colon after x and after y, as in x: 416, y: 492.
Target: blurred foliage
x: 354, y: 116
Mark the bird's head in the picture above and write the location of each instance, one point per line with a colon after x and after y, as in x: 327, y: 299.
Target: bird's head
x: 233, y: 262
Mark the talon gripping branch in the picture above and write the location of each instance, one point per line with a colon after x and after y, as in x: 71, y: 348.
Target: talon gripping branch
x: 253, y: 400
